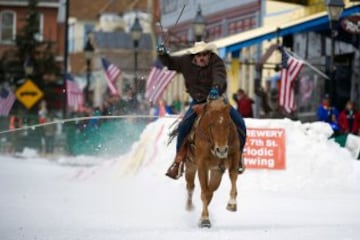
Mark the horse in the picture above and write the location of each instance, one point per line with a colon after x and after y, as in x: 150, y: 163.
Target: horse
x: 213, y: 147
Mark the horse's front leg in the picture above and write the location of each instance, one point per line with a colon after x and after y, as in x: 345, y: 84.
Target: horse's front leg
x: 215, y: 180
x: 190, y: 184
x: 203, y: 179
x: 233, y: 174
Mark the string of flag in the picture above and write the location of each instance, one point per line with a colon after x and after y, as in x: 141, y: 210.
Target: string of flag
x: 112, y: 73
x: 159, y: 78
x: 7, y: 99
x: 75, y: 96
x: 290, y: 69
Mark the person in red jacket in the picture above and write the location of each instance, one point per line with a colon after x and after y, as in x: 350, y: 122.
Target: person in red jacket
x: 244, y: 104
x: 349, y: 119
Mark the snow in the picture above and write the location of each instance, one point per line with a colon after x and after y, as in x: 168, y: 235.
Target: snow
x: 129, y: 197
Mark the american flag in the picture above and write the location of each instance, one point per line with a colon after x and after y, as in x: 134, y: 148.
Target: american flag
x: 112, y: 73
x: 290, y: 69
x: 158, y: 79
x: 75, y: 97
x: 7, y: 99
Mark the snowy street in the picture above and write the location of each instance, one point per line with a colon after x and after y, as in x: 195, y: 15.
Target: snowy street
x: 317, y: 196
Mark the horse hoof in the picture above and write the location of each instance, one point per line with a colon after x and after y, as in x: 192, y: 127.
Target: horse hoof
x: 190, y: 207
x: 205, y: 223
x: 231, y: 207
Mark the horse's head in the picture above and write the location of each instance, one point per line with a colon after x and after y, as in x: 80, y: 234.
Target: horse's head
x: 219, y: 126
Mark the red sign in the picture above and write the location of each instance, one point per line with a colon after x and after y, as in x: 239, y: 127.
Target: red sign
x: 351, y: 24
x: 265, y: 148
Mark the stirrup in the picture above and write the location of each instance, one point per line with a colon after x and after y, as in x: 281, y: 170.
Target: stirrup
x: 176, y: 170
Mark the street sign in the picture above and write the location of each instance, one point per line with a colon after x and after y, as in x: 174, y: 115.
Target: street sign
x: 351, y: 24
x: 28, y: 94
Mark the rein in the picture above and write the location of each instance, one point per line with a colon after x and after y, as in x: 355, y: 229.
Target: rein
x: 202, y: 133
x: 205, y: 133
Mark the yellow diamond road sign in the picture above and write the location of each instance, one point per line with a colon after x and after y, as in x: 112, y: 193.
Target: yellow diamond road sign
x: 28, y: 94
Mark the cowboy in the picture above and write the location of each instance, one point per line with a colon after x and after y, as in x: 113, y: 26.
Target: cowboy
x: 205, y: 77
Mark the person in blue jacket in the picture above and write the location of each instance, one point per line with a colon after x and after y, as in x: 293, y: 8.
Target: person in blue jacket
x: 328, y: 113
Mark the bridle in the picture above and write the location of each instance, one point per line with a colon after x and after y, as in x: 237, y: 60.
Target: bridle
x: 206, y: 133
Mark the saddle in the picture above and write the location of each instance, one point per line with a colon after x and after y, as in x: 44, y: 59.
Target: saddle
x: 189, y: 144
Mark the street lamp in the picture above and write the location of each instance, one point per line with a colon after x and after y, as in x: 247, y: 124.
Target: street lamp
x: 199, y: 25
x: 28, y: 67
x: 89, y: 54
x: 136, y: 32
x: 335, y: 8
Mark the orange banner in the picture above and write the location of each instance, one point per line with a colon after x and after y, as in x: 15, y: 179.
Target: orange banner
x: 265, y: 148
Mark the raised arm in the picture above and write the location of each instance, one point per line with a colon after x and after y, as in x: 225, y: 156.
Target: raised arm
x: 219, y: 74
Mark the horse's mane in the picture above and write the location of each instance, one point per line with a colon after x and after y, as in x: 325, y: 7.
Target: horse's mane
x: 216, y: 105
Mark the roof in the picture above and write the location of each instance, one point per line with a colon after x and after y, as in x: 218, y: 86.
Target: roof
x: 41, y: 3
x: 120, y: 40
x: 238, y: 41
x: 81, y: 9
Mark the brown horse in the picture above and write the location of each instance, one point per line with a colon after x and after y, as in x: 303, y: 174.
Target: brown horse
x: 215, y: 147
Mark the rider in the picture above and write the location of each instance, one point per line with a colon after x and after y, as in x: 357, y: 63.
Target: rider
x: 205, y: 77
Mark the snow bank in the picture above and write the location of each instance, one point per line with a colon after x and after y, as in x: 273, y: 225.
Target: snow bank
x: 312, y: 160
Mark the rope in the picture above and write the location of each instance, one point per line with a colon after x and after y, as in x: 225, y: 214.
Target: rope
x: 85, y: 118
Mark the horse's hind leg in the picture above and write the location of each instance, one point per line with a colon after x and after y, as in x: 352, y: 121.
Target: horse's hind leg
x: 190, y: 184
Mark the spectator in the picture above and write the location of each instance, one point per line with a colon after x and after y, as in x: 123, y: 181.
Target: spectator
x: 329, y: 114
x: 15, y: 122
x: 94, y: 123
x: 244, y: 103
x: 177, y: 105
x: 130, y: 102
x: 264, y: 100
x: 50, y: 131
x: 349, y: 119
x: 163, y: 109
x: 42, y: 112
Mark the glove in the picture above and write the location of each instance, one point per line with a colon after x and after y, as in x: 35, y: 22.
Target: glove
x: 214, y: 93
x: 161, y: 49
x: 335, y: 127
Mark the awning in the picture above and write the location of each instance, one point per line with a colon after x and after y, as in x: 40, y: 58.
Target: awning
x: 238, y: 41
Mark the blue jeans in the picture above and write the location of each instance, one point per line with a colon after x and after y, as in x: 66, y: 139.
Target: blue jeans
x: 189, y: 119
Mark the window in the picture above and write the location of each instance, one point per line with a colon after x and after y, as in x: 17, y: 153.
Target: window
x: 40, y: 34
x: 7, y: 26
x: 88, y: 28
x: 71, y: 38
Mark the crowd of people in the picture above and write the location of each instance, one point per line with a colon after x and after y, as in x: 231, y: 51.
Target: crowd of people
x: 345, y: 124
x: 346, y: 121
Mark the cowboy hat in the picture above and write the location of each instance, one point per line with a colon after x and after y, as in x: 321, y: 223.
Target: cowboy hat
x: 202, y: 47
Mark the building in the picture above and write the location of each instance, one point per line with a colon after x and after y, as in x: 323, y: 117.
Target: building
x: 107, y: 24
x: 306, y: 32
x: 50, y: 35
x: 222, y: 19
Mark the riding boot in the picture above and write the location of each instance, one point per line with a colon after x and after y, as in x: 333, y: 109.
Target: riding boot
x: 176, y: 169
x: 242, y: 135
x: 241, y: 168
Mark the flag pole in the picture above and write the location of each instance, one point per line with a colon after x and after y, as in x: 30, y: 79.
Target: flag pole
x: 308, y: 64
x: 66, y: 53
